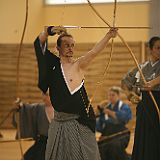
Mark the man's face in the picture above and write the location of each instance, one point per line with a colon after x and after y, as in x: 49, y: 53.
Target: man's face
x: 113, y: 97
x: 67, y: 47
x: 156, y: 50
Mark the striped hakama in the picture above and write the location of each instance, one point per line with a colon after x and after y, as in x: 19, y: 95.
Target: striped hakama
x: 70, y: 140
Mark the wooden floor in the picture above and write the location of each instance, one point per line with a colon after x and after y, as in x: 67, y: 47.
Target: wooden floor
x: 10, y: 150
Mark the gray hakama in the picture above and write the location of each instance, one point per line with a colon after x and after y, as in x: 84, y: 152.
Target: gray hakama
x: 70, y: 140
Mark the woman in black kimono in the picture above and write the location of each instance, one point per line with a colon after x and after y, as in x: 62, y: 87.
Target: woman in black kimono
x: 147, y: 131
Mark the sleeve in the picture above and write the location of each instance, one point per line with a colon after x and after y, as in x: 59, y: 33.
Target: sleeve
x: 124, y: 114
x: 43, y: 55
x: 100, y: 122
x: 130, y: 78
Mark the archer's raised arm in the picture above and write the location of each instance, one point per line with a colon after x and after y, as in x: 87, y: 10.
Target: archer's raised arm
x: 85, y: 60
x: 44, y: 56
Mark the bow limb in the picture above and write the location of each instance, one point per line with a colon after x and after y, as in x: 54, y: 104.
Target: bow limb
x: 112, y: 43
x: 20, y: 49
x: 142, y: 76
x: 132, y: 54
x: 140, y: 71
x: 96, y: 12
x: 99, y: 83
x: 17, y: 77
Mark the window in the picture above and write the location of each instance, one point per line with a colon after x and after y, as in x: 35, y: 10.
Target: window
x: 58, y: 2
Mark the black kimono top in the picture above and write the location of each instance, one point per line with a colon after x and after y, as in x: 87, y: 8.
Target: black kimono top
x: 51, y: 76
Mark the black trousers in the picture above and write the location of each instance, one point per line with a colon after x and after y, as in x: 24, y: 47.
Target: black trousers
x: 114, y: 149
x: 37, y: 150
x: 147, y: 131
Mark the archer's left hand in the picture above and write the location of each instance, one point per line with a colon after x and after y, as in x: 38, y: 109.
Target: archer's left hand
x: 113, y: 32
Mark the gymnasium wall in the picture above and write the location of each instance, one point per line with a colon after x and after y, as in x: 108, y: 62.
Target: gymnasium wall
x: 12, y: 14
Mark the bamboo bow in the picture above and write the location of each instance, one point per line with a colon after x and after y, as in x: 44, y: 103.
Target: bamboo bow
x: 17, y: 75
x: 130, y: 51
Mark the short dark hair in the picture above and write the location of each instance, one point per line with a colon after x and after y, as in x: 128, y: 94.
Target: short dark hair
x: 59, y: 40
x: 152, y: 41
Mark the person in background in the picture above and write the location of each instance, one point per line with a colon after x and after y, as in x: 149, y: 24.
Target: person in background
x: 147, y: 131
x: 34, y: 123
x: 112, y: 120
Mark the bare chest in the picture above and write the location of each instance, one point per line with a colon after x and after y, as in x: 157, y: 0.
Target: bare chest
x: 72, y: 76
